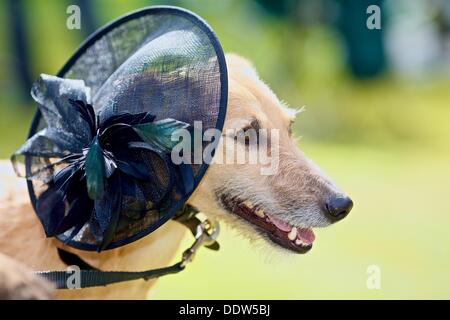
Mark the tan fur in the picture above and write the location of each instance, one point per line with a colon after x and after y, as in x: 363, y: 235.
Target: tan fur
x: 18, y: 283
x: 294, y: 193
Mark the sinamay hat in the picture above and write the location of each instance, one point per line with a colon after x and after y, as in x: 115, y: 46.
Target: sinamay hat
x: 98, y: 159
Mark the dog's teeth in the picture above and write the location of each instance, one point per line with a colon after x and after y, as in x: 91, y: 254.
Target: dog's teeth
x: 292, y: 234
x: 299, y: 242
x: 260, y: 213
x: 248, y: 204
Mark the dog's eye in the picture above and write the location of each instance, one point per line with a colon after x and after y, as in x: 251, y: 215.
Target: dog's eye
x: 249, y: 134
x: 291, y: 123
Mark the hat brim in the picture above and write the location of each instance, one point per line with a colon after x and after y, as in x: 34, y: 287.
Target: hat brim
x: 68, y: 70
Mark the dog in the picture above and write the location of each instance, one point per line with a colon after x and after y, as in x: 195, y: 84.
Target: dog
x: 280, y: 209
x: 18, y: 283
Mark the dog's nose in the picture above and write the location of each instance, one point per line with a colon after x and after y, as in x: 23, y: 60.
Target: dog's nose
x: 339, y: 207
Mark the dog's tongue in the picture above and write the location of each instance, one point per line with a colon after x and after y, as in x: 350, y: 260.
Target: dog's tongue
x: 283, y: 226
x: 305, y: 235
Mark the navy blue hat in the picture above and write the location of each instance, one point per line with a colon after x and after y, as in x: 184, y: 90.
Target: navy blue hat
x: 98, y: 158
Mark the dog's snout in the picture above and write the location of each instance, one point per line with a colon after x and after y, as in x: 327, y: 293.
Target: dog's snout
x: 339, y: 207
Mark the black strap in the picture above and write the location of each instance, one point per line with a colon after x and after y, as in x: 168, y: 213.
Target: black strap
x: 93, y: 277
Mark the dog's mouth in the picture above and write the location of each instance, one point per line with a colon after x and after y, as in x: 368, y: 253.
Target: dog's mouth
x: 296, y: 239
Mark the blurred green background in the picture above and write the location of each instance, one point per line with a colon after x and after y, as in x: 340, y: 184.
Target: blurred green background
x: 377, y: 120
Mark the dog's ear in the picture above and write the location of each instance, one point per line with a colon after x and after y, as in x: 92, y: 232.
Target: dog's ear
x: 241, y: 65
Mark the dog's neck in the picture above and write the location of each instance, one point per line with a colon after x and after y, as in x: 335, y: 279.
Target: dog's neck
x: 139, y: 255
x: 154, y: 251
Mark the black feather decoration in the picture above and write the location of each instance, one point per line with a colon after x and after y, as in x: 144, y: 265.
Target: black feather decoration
x: 98, y: 173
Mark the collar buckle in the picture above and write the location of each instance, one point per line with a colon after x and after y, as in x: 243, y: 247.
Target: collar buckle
x: 206, y: 234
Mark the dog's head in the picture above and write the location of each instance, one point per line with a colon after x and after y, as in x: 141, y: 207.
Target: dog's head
x: 281, y: 196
